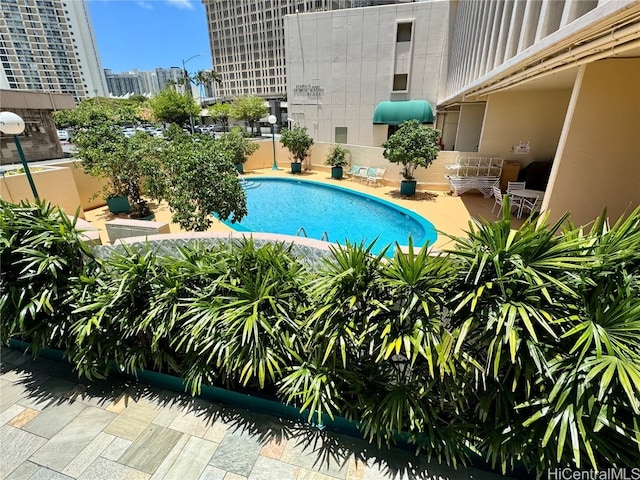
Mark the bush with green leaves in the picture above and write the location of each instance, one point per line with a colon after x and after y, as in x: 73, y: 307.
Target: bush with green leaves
x: 413, y: 145
x: 41, y: 261
x: 237, y: 145
x: 519, y: 344
x: 297, y: 141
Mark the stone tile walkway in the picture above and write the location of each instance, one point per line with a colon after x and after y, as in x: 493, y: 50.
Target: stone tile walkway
x: 54, y: 426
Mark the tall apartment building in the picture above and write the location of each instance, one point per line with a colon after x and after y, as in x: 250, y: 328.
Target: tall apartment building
x: 48, y: 45
x: 247, y: 41
x: 121, y: 84
x: 165, y: 75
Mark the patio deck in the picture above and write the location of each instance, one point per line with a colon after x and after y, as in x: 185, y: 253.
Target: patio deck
x: 448, y: 213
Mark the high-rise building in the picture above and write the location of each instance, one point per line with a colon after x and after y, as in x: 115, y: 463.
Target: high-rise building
x: 165, y: 75
x: 247, y: 41
x: 122, y: 84
x: 48, y: 45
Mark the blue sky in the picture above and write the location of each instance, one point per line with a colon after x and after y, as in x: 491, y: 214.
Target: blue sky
x: 146, y: 34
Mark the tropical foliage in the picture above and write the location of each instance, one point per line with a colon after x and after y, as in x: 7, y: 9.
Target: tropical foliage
x: 297, y: 141
x: 517, y: 344
x: 413, y: 145
x: 338, y: 156
x: 100, y: 110
x: 170, y: 106
x: 248, y: 109
x: 237, y: 144
x: 220, y: 112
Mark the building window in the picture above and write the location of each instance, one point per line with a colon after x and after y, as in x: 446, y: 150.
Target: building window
x: 400, y: 81
x: 404, y: 32
x: 341, y: 135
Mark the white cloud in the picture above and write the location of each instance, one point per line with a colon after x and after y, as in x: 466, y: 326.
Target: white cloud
x: 181, y: 3
x: 144, y: 4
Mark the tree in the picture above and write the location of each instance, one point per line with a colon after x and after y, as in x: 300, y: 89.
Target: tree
x: 236, y: 144
x: 297, y: 141
x: 249, y: 109
x: 170, y: 106
x: 107, y: 153
x: 220, y: 112
x: 412, y: 145
x: 204, y: 78
x: 94, y: 111
x: 198, y: 178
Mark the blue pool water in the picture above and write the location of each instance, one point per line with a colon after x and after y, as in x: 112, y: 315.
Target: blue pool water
x: 285, y: 206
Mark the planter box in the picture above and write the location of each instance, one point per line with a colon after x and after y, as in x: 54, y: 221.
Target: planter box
x: 336, y: 172
x: 296, y: 168
x: 125, y: 228
x: 118, y: 205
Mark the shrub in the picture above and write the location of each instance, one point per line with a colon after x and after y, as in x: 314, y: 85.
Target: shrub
x: 41, y: 259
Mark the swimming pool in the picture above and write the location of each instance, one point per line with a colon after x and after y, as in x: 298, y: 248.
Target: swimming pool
x: 327, y: 212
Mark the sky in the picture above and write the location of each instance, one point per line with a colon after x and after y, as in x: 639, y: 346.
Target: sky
x: 146, y: 34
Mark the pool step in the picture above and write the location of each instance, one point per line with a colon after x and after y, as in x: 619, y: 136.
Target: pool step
x: 248, y: 184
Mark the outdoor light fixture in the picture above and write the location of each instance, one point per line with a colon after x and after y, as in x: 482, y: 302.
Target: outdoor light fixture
x: 272, y: 120
x: 12, y: 124
x: 187, y: 84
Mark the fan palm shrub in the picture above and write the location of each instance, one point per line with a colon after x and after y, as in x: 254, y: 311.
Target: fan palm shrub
x: 41, y: 259
x: 523, y: 297
x: 241, y: 329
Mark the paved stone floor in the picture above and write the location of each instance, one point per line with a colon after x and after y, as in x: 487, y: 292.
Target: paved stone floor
x: 54, y: 426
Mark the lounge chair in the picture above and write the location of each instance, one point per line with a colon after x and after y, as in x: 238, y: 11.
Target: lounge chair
x: 375, y: 174
x: 355, y: 169
x: 362, y: 174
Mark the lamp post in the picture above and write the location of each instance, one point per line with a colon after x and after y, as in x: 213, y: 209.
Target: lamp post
x: 12, y: 124
x: 272, y: 121
x: 187, y: 84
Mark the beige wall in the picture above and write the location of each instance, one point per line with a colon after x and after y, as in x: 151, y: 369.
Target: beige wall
x: 433, y: 177
x: 55, y: 185
x: 598, y: 160
x: 534, y: 116
x: 86, y: 186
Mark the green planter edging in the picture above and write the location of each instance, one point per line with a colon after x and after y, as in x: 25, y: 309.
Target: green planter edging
x: 215, y: 394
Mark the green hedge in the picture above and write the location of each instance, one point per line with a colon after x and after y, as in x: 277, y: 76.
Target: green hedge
x: 521, y: 344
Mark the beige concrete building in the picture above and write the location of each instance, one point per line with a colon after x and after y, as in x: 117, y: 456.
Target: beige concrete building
x: 530, y: 81
x: 39, y: 140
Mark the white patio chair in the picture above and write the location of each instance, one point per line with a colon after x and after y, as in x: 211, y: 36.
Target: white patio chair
x: 515, y: 201
x: 531, y: 204
x: 497, y: 194
x: 353, y: 172
x: 362, y: 174
x: 373, y: 174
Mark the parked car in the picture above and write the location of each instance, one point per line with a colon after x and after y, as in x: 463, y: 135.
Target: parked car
x: 63, y: 136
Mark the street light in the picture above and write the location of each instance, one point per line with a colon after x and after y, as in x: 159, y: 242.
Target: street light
x: 187, y: 83
x: 272, y: 120
x: 12, y: 124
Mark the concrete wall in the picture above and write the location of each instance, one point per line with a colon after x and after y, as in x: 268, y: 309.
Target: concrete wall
x: 598, y: 159
x: 55, y: 185
x: 534, y: 116
x: 86, y: 185
x: 431, y: 178
x: 349, y: 55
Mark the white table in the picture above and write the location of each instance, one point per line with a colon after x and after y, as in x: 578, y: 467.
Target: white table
x: 525, y: 193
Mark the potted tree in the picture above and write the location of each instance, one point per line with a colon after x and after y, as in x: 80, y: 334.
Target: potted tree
x: 107, y: 153
x: 237, y: 146
x: 412, y: 145
x: 337, y: 158
x: 298, y: 142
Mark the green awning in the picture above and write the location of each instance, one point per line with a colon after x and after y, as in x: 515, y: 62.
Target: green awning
x: 394, y: 113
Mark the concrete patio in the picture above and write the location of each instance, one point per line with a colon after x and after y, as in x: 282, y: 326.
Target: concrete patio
x: 55, y: 426
x: 449, y: 214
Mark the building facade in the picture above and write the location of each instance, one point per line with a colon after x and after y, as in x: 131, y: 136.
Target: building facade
x: 48, y: 45
x: 247, y: 42
x: 545, y: 84
x: 167, y: 75
x: 39, y: 141
x: 342, y: 64
x: 123, y: 84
